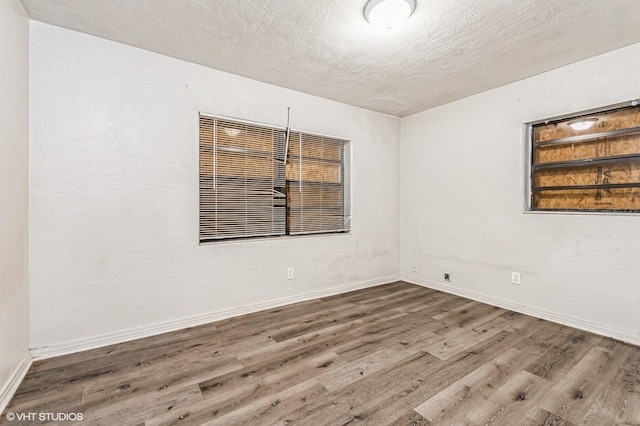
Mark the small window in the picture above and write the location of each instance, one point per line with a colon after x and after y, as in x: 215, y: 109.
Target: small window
x: 256, y: 183
x: 587, y: 162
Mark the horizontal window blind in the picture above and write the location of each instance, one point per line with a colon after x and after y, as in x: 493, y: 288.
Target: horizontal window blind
x: 251, y: 187
x: 242, y: 180
x: 317, y: 184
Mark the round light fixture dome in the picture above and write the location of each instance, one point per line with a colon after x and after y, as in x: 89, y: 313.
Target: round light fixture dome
x: 388, y: 14
x: 582, y: 123
x: 231, y: 131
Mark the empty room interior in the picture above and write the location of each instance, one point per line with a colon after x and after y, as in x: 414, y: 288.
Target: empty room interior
x: 305, y: 212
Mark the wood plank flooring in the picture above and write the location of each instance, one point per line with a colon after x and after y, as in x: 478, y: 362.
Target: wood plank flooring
x: 396, y: 354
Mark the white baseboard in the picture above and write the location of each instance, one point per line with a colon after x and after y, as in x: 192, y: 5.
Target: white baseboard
x: 7, y: 392
x: 84, y: 344
x: 579, y: 323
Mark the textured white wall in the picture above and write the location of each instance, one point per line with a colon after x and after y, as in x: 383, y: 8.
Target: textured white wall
x: 463, y: 185
x: 14, y: 188
x: 114, y: 193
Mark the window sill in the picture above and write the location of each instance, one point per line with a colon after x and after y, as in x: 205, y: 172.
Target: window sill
x: 576, y: 213
x: 271, y: 239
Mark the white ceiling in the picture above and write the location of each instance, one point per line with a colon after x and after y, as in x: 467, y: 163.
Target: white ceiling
x: 450, y: 49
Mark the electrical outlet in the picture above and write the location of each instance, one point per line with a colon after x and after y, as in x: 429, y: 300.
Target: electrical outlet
x: 290, y: 273
x: 515, y: 278
x: 447, y: 276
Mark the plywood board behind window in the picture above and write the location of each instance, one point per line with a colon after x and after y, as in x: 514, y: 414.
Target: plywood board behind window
x: 554, y: 151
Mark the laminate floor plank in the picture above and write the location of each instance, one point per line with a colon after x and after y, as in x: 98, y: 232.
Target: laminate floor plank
x: 270, y: 409
x: 410, y: 418
x: 544, y: 418
x: 450, y: 401
x: 363, y: 367
x: 368, y: 293
x: 396, y: 354
x: 136, y: 409
x: 564, y: 354
x: 402, y: 331
x: 36, y: 382
x: 467, y: 310
x: 261, y: 352
x: 430, y: 380
x: 539, y: 333
x: 360, y: 399
x: 456, y: 340
x: 444, y: 305
x: 149, y: 380
x: 572, y: 397
x: 235, y: 390
x: 47, y: 399
x: 427, y: 301
x: 335, y: 337
x: 344, y: 314
x: 390, y: 301
x: 150, y: 344
x: 515, y: 402
x: 308, y: 323
x: 615, y: 403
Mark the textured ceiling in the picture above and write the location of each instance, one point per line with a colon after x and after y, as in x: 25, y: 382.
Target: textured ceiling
x: 449, y: 49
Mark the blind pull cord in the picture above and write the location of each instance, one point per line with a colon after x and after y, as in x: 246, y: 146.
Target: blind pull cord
x: 286, y: 143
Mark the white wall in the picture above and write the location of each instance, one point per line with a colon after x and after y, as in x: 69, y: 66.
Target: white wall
x: 114, y: 168
x: 14, y: 192
x: 463, y: 186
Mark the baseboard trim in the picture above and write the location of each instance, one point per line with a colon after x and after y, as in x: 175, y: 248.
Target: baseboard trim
x: 15, y: 379
x: 579, y: 323
x: 84, y: 344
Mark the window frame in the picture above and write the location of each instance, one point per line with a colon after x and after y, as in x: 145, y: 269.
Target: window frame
x: 346, y: 165
x: 529, y: 137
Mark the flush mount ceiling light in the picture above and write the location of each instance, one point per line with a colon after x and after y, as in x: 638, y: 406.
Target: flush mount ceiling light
x: 388, y: 14
x: 582, y: 123
x: 231, y: 131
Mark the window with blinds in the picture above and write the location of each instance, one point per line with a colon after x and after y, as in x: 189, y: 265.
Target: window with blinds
x: 255, y: 184
x: 587, y: 162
